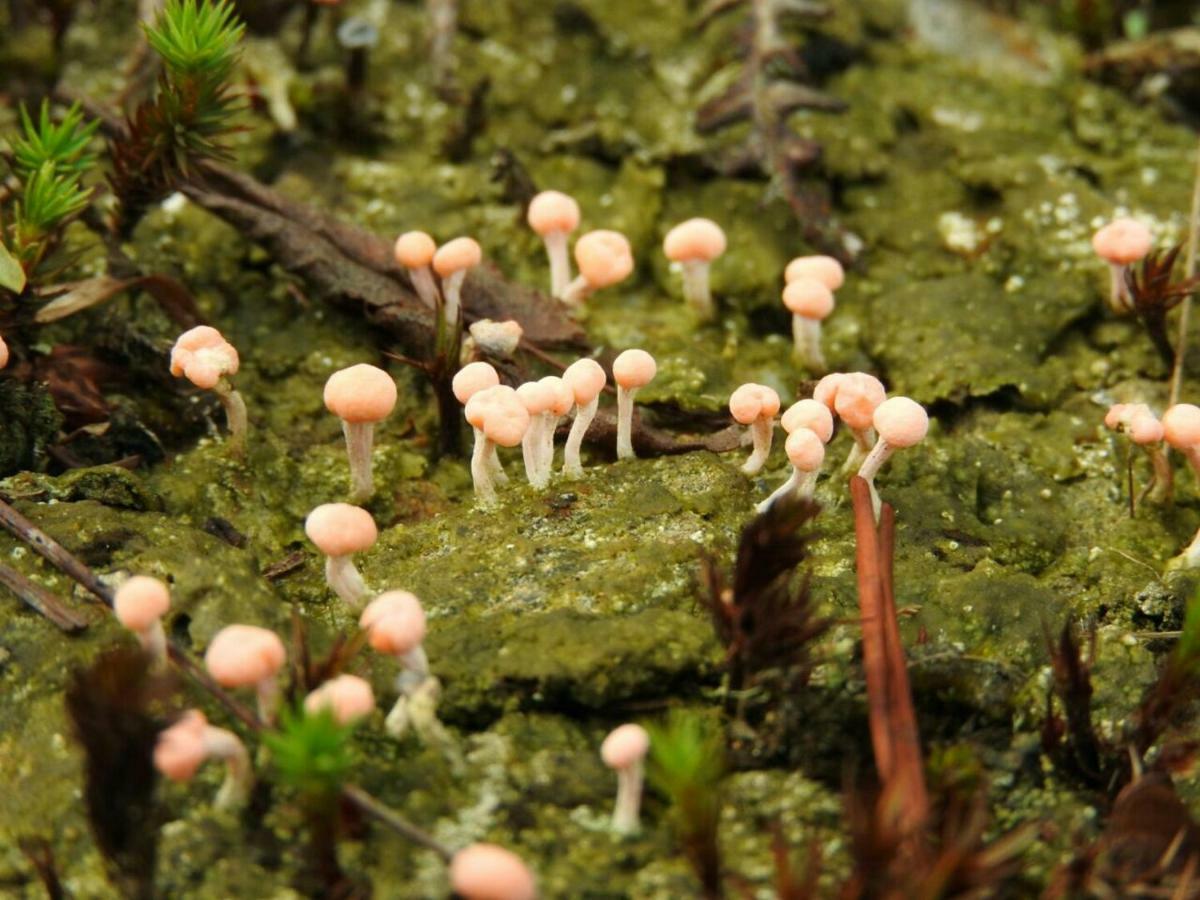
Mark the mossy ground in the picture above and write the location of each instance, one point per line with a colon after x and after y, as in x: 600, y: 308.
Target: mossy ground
x: 974, y: 185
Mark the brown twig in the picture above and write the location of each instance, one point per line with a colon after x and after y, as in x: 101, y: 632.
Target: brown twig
x: 871, y: 604
x: 42, y: 601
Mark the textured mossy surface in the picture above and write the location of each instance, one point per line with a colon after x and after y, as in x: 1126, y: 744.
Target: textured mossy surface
x: 974, y: 185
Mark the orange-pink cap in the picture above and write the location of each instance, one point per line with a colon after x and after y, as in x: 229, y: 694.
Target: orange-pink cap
x: 824, y: 269
x: 562, y: 398
x: 473, y: 378
x: 634, y: 369
x: 394, y: 622
x: 361, y: 393
x: 858, y: 395
x: 901, y: 422
x: 553, y: 211
x: 348, y: 697
x: 810, y: 414
x: 1144, y: 429
x: 753, y: 401
x: 699, y: 240
x: 242, y: 655
x: 480, y: 404
x: 535, y: 397
x: 140, y: 602
x: 1122, y: 241
x: 415, y: 249
x: 604, y: 258
x: 180, y: 749
x: 808, y: 298
x: 1181, y: 426
x: 586, y: 379
x: 457, y: 255
x: 805, y: 449
x: 625, y: 745
x: 339, y: 529
x: 489, y: 872
x: 827, y: 388
x: 3, y: 353
x: 203, y: 356
x: 506, y: 423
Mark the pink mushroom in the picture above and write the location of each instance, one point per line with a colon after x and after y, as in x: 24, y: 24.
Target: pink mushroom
x: 184, y: 746
x: 756, y: 405
x: 632, y: 370
x: 604, y: 259
x: 451, y: 263
x: 624, y: 750
x: 488, y: 872
x: 140, y: 603
x: 810, y: 414
x: 467, y: 382
x: 415, y: 251
x: 693, y: 245
x: 810, y: 302
x: 854, y: 397
x: 554, y: 215
x: 1139, y: 422
x: 562, y: 398
x: 537, y: 399
x: 1121, y: 243
x: 824, y: 269
x: 395, y: 626
x: 899, y: 422
x: 206, y: 359
x: 586, y: 379
x: 248, y: 656
x: 347, y: 697
x: 3, y: 354
x: 340, y: 530
x: 1181, y: 428
x: 360, y: 396
x: 502, y: 420
x: 806, y: 452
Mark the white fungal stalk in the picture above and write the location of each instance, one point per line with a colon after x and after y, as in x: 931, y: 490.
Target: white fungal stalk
x: 425, y: 285
x: 572, y: 465
x: 154, y: 642
x: 802, y: 484
x: 696, y: 288
x: 345, y: 581
x: 1119, y: 300
x: 806, y: 335
x: 483, y: 467
x: 239, y: 777
x: 1190, y: 557
x: 625, y: 422
x: 863, y: 442
x: 546, y: 449
x: 762, y: 431
x: 880, y: 454
x: 452, y: 288
x: 267, y: 696
x: 235, y: 413
x: 626, y: 819
x: 532, y: 451
x: 360, y: 438
x: 576, y: 291
x: 560, y: 261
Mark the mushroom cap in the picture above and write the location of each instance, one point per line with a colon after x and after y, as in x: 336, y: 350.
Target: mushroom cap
x: 858, y: 395
x: 624, y: 746
x: 824, y: 269
x: 535, y: 397
x: 604, y: 258
x: 394, y: 622
x: 1117, y: 415
x: 553, y: 211
x: 586, y: 378
x: 497, y: 338
x: 242, y: 655
x: 489, y: 872
x: 810, y: 414
x: 753, y: 401
x: 203, y: 356
x: 339, y: 529
x: 473, y: 378
x: 634, y: 368
x: 1145, y: 429
x: 808, y: 298
x: 357, y: 32
x: 348, y: 697
x: 805, y: 449
x: 481, y: 402
x: 3, y: 353
x: 901, y: 422
x: 700, y: 240
x: 562, y: 398
x: 506, y: 423
x: 415, y: 249
x: 179, y: 750
x: 1181, y: 426
x: 361, y: 393
x: 827, y: 388
x: 140, y: 602
x: 1122, y: 241
x: 456, y: 255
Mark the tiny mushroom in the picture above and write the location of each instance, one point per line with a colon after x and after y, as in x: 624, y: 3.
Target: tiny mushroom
x: 562, y: 398
x: 498, y: 340
x: 360, y: 396
x: 467, y: 382
x: 756, y: 405
x: 824, y: 269
x: 554, y: 215
x: 900, y: 422
x: 1139, y: 422
x: 340, y: 530
x: 632, y: 370
x: 502, y: 419
x: 206, y: 359
x: 1121, y: 243
x: 415, y: 251
x: 1181, y: 428
x: 140, y: 603
x: 586, y: 379
x: 693, y: 245
x: 854, y: 397
x: 395, y: 626
x: 347, y: 697
x: 451, y: 263
x: 183, y: 747
x: 604, y: 259
x: 248, y: 656
x: 624, y: 751
x: 811, y: 414
x: 359, y: 35
x: 3, y: 354
x: 489, y: 872
x: 805, y: 451
x: 537, y: 399
x: 810, y: 302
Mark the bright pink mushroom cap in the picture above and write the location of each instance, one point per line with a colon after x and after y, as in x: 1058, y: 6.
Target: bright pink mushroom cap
x: 604, y: 258
x: 805, y: 449
x: 140, y: 602
x: 562, y: 398
x: 3, y: 353
x: 808, y: 298
x: 179, y: 750
x: 624, y: 746
x: 553, y: 211
x: 457, y: 255
x: 753, y: 401
x: 473, y: 378
x: 586, y: 378
x: 824, y: 269
x: 1181, y: 426
x: 1122, y: 241
x: 203, y: 356
x: 1145, y: 429
x: 242, y: 655
x: 394, y: 622
x: 535, y: 397
x: 361, y: 393
x: 810, y: 414
x: 339, y: 529
x: 901, y: 422
x: 634, y: 369
x: 858, y: 395
x: 415, y: 249
x: 489, y: 872
x: 699, y: 240
x: 347, y: 697
x: 505, y: 424
x: 827, y: 388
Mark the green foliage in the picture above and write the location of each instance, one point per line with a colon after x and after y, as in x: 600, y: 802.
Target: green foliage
x: 197, y: 39
x: 63, y: 145
x: 311, y: 752
x: 48, y: 199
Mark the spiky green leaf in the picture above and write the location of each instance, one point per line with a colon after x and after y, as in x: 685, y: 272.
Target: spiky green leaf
x: 64, y: 145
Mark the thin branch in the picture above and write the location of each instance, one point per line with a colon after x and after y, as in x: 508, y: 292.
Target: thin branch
x: 42, y: 601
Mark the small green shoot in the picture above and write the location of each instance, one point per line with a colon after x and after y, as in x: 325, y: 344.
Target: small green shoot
x: 64, y: 145
x: 311, y: 752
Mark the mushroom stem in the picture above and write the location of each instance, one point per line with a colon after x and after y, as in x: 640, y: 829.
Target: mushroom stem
x: 546, y: 450
x: 864, y: 440
x: 629, y: 799
x: 267, y: 694
x: 491, y: 459
x: 879, y: 454
x: 531, y: 445
x: 1163, y: 481
x: 452, y: 289
x: 424, y: 285
x: 762, y: 431
x: 345, y: 581
x: 235, y: 414
x: 154, y: 642
x: 801, y: 483
x: 360, y: 437
x: 1118, y: 295
x: 806, y: 335
x: 575, y: 292
x: 239, y: 777
x: 572, y: 466
x: 482, y: 469
x: 625, y: 422
x: 560, y: 261
x: 696, y: 288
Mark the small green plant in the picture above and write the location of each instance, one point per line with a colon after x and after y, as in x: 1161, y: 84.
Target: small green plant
x: 311, y: 753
